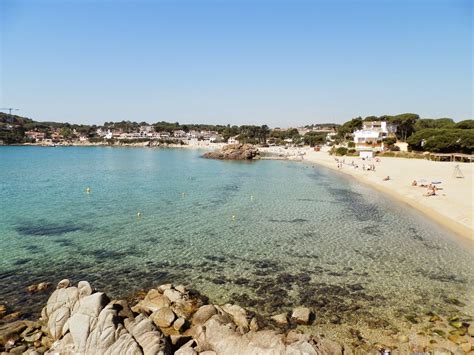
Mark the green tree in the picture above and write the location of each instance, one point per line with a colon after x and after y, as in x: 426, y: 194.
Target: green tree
x: 314, y: 138
x: 443, y: 140
x: 66, y: 132
x: 349, y: 127
x: 466, y: 124
x: 424, y: 123
x: 405, y: 123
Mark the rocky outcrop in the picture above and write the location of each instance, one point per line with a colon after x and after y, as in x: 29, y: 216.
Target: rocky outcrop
x: 78, y: 320
x: 235, y: 152
x: 171, y: 319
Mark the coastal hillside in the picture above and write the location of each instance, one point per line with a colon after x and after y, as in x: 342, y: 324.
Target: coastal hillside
x: 442, y: 135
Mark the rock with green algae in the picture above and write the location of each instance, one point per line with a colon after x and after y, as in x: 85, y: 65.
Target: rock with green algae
x: 456, y: 324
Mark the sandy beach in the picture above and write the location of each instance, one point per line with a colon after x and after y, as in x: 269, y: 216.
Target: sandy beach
x: 453, y: 205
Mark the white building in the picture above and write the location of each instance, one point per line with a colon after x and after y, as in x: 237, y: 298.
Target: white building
x: 147, y: 129
x: 233, y: 140
x: 192, y: 134
x: 330, y: 137
x: 179, y: 133
x: 369, y: 139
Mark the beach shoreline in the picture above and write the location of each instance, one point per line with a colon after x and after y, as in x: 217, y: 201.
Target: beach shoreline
x: 452, y: 208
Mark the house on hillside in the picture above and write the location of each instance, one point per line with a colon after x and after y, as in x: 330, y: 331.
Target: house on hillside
x: 303, y: 130
x: 192, y: 134
x: 179, y: 133
x: 145, y: 129
x: 233, y: 140
x: 37, y: 136
x: 369, y: 139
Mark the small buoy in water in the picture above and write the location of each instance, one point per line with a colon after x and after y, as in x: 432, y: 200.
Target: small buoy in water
x: 233, y: 218
x: 251, y: 197
x: 139, y: 214
x: 183, y: 194
x: 88, y: 190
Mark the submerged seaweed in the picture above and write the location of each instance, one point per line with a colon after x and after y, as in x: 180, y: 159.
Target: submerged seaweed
x: 42, y: 228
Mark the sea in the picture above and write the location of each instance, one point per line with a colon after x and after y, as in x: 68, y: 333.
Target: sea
x: 267, y: 235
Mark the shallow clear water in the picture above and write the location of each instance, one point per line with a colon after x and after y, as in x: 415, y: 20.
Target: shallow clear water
x: 301, y: 234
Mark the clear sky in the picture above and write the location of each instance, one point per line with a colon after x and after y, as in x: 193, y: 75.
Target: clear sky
x: 279, y: 62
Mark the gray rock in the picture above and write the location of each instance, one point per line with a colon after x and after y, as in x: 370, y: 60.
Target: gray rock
x: 254, y: 324
x: 329, y: 347
x: 11, y: 331
x: 125, y: 344
x: 153, y: 301
x: 301, y: 347
x: 238, y: 314
x: 179, y: 323
x: 64, y: 283
x: 224, y: 340
x: 183, y: 309
x: 280, y: 319
x: 58, y: 309
x: 234, y: 152
x: 180, y: 288
x: 42, y: 286
x: 17, y: 350
x: 173, y: 295
x: 95, y: 327
x: 85, y: 289
x: 164, y: 287
x: 33, y: 336
x: 294, y: 336
x: 84, y: 320
x: 163, y: 318
x: 186, y: 351
x: 203, y: 314
x: 150, y: 339
x: 301, y: 315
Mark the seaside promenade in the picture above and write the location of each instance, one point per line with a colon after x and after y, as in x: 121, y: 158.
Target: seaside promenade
x: 453, y: 206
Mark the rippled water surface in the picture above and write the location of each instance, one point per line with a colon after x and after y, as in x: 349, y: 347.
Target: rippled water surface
x: 300, y: 235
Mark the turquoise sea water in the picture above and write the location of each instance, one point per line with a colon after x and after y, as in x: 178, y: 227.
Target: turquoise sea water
x: 301, y: 234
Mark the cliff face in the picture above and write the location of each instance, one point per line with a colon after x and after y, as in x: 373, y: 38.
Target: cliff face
x: 235, y: 152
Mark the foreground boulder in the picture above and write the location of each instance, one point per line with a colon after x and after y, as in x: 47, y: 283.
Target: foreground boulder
x: 80, y: 321
x: 235, y: 152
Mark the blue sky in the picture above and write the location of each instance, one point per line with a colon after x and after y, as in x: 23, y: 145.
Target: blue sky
x: 280, y: 62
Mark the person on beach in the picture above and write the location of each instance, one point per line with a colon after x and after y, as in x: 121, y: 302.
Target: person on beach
x: 386, y: 178
x: 430, y: 193
x: 414, y: 183
x: 431, y: 190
